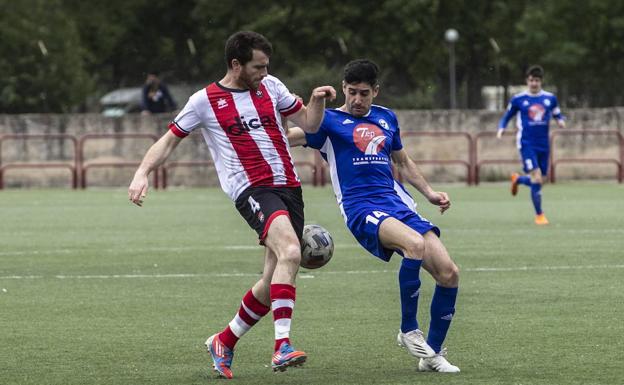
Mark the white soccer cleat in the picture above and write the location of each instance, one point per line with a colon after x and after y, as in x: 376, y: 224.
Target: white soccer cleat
x: 415, y: 343
x: 437, y: 363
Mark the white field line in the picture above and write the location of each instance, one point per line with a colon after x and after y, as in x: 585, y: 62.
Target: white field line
x: 305, y: 276
x: 174, y: 249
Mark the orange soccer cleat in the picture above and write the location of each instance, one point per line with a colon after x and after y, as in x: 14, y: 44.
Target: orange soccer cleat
x: 286, y: 357
x: 221, y: 356
x: 514, y: 183
x: 540, y: 219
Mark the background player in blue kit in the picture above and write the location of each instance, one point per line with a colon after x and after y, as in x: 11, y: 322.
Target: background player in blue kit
x: 359, y: 141
x: 536, y: 107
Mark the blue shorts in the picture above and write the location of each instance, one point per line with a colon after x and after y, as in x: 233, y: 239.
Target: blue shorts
x: 533, y: 158
x: 365, y: 218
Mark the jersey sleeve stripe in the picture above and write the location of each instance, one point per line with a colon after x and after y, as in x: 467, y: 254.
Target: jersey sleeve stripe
x: 294, y: 107
x: 177, y: 130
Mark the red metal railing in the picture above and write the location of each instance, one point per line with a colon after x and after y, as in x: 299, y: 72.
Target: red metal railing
x: 79, y: 166
x: 73, y: 166
x: 456, y: 161
x: 165, y: 168
x: 478, y: 164
x: 85, y: 166
x: 555, y: 162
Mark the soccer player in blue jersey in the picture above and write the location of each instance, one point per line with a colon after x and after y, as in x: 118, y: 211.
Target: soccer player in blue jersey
x: 536, y: 107
x: 360, y: 141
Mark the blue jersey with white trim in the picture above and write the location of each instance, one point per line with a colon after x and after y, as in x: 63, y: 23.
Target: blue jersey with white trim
x: 358, y: 151
x: 535, y: 112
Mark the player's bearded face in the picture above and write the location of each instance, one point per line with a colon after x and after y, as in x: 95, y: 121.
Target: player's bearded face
x: 359, y: 97
x: 255, y: 70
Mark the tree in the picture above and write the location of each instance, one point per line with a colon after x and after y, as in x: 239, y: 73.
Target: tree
x: 41, y: 60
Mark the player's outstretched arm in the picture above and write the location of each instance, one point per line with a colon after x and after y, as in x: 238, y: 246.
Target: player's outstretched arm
x: 155, y: 156
x: 410, y: 172
x: 309, y: 118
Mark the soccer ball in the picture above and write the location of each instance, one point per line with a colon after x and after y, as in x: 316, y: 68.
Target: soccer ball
x: 317, y: 247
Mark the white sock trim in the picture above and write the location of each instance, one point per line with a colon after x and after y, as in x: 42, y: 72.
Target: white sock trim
x: 282, y: 328
x: 238, y: 326
x: 278, y: 303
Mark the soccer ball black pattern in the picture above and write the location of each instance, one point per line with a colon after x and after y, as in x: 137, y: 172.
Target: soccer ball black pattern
x: 317, y: 247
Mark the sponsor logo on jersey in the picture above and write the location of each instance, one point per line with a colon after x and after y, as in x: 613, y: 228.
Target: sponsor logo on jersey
x: 536, y: 112
x: 368, y: 138
x: 347, y: 121
x: 242, y: 124
x: 259, y: 93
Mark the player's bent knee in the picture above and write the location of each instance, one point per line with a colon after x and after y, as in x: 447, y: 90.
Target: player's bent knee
x: 291, y: 254
x: 449, y: 277
x: 414, y: 248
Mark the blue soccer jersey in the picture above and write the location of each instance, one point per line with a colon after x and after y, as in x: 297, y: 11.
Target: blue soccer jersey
x: 535, y: 112
x: 358, y: 151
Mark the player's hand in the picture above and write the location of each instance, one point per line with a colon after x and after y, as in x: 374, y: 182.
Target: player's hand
x: 138, y: 189
x: 561, y: 124
x: 324, y: 92
x: 442, y: 200
x: 499, y: 134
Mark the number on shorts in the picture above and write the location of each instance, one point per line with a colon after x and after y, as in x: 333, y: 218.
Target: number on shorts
x: 375, y: 219
x: 255, y: 206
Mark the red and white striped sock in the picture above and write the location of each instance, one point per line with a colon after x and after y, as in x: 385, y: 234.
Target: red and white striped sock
x: 249, y: 313
x: 282, y: 304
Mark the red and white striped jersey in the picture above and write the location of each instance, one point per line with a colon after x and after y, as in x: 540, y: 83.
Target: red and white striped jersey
x: 243, y: 130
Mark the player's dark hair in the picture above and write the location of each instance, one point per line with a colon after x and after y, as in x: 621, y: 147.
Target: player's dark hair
x: 535, y: 71
x: 361, y: 71
x: 240, y: 46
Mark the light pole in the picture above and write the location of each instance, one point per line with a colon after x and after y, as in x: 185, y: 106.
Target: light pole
x: 500, y: 104
x: 451, y: 36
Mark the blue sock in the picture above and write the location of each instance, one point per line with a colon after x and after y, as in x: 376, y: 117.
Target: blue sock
x: 409, y: 286
x: 442, y: 311
x: 524, y: 179
x: 536, y: 196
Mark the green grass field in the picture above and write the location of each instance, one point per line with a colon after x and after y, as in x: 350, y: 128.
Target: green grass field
x: 94, y: 290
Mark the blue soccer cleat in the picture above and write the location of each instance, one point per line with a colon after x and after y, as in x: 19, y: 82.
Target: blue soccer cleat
x: 221, y: 356
x: 286, y: 356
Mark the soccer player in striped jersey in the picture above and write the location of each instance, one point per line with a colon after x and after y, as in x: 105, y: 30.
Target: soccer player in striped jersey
x: 240, y: 119
x: 360, y: 141
x: 534, y: 107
